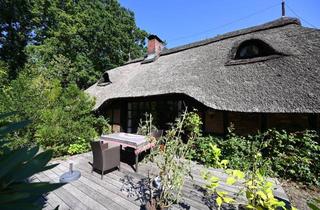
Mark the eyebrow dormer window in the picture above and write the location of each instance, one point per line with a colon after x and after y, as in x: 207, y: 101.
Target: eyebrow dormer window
x: 252, y: 49
x: 105, y: 80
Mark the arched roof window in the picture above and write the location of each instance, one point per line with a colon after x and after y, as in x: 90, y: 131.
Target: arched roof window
x: 253, y: 48
x: 105, y: 80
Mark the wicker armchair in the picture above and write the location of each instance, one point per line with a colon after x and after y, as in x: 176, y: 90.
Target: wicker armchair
x: 105, y: 156
x: 157, y: 134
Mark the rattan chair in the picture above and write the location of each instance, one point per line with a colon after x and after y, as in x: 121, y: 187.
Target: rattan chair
x: 106, y: 156
x: 157, y: 134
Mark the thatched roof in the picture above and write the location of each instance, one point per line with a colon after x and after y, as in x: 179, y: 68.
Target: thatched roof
x: 206, y: 71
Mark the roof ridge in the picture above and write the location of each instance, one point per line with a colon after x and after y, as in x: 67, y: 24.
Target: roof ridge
x: 283, y: 21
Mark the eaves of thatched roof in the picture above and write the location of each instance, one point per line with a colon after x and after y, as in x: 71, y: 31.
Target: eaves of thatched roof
x: 286, y: 83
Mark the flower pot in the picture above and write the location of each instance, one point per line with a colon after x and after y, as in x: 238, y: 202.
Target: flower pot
x: 162, y: 147
x: 152, y: 205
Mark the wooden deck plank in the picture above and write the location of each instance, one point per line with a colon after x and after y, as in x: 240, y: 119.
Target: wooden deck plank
x: 117, y: 199
x: 83, y: 186
x: 114, y: 192
x: 51, y: 197
x: 64, y: 196
x: 68, y: 194
x: 116, y: 175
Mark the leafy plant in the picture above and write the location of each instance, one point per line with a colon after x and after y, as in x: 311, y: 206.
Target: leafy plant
x: 59, y: 115
x: 79, y: 147
x: 293, y: 156
x: 192, y: 124
x: 146, y: 127
x: 173, y: 166
x: 257, y: 189
x: 213, y: 184
x: 16, y: 192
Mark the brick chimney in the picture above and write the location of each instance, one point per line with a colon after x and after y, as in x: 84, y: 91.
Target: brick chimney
x: 155, y: 46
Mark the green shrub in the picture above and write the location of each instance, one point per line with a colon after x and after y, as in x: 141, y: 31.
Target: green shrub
x: 293, y: 156
x: 59, y: 115
x: 81, y: 146
x: 192, y: 124
x: 234, y: 148
x: 202, y: 151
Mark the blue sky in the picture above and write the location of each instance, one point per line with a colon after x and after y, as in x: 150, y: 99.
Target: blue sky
x: 184, y: 21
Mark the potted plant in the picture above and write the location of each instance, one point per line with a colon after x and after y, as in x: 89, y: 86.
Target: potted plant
x: 173, y: 167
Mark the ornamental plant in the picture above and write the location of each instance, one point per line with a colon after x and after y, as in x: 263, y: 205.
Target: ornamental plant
x: 173, y: 165
x: 257, y: 190
x: 146, y: 127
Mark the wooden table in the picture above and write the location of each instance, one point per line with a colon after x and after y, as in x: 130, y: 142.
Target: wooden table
x: 138, y: 142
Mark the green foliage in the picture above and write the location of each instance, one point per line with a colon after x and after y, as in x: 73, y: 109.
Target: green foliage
x: 59, y: 115
x: 204, y: 152
x: 233, y: 148
x: 172, y: 163
x: 80, y: 146
x: 192, y: 124
x: 314, y: 204
x: 4, y: 74
x: 89, y: 36
x: 293, y: 156
x: 16, y: 167
x: 15, y: 32
x: 257, y: 189
x: 212, y: 187
x: 146, y: 127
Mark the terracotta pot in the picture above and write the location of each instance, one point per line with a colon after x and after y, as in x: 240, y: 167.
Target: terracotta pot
x: 152, y: 205
x: 162, y: 147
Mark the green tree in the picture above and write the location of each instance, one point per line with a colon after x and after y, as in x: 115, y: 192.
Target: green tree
x: 60, y: 116
x: 93, y: 36
x: 15, y: 33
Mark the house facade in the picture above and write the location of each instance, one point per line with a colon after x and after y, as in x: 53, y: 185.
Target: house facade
x: 267, y: 76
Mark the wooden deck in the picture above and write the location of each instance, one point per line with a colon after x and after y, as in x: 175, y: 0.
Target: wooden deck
x: 122, y: 189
